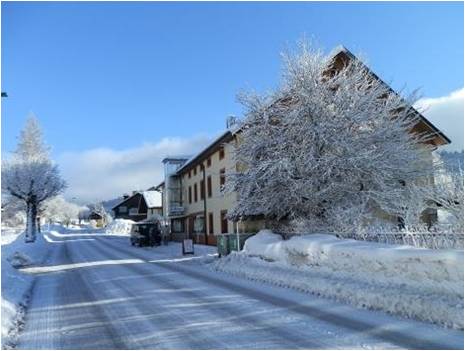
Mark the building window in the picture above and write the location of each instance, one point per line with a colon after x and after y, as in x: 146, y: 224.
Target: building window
x: 190, y: 194
x: 224, y: 221
x: 209, y: 162
x: 209, y: 186
x: 199, y: 225
x: 210, y: 223
x: 195, y: 170
x: 195, y: 192
x: 189, y: 174
x: 202, y: 189
x: 222, y: 176
x: 177, y: 226
x: 123, y: 209
x: 221, y: 153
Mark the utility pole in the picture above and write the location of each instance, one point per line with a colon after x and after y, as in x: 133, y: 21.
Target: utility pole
x: 202, y: 166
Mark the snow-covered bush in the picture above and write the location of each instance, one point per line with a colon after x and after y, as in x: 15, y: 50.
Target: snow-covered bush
x: 331, y: 139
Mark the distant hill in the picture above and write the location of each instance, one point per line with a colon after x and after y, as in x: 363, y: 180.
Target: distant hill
x: 452, y: 159
x: 109, y: 204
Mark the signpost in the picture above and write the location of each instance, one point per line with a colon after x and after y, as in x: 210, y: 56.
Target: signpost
x: 187, y: 247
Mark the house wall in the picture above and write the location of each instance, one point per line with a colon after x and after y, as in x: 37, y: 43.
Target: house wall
x: 154, y: 210
x: 215, y: 203
x: 134, y: 202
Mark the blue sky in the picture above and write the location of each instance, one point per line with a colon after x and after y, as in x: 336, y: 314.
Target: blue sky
x: 118, y: 76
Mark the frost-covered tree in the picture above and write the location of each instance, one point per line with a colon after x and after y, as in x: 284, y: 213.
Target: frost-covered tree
x: 99, y: 209
x: 331, y: 137
x: 30, y: 176
x: 447, y: 194
x: 57, y: 209
x: 13, y: 211
x: 83, y: 214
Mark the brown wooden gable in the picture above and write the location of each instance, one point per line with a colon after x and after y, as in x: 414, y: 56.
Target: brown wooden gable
x: 343, y: 56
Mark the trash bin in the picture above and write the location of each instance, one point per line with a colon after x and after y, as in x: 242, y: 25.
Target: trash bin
x: 223, y: 245
x: 232, y: 238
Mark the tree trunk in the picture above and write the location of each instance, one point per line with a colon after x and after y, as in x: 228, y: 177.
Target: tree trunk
x: 38, y: 224
x: 31, y: 225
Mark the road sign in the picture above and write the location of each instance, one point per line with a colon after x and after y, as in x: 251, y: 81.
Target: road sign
x: 187, y: 247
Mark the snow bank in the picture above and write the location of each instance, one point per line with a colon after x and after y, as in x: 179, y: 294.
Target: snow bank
x: 119, y: 227
x: 412, y: 282
x: 16, y: 286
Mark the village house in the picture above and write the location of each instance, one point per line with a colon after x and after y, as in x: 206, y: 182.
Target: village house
x: 192, y: 199
x: 97, y: 217
x: 139, y: 206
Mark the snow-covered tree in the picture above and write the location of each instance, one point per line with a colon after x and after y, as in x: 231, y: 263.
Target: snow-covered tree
x: 448, y: 196
x: 57, y: 209
x: 30, y: 176
x: 331, y: 137
x: 99, y: 209
x: 83, y: 214
x: 13, y: 211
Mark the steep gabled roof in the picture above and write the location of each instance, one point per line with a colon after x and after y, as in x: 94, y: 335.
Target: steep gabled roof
x: 343, y: 51
x: 151, y: 197
x: 228, y: 134
x: 205, y: 152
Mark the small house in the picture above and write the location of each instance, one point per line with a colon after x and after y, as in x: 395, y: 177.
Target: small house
x: 98, y: 218
x: 139, y: 206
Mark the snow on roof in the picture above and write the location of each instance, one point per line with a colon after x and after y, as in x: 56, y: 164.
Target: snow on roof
x: 176, y: 158
x: 338, y: 49
x: 152, y: 198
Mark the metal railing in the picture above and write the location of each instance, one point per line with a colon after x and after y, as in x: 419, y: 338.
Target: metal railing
x: 428, y: 240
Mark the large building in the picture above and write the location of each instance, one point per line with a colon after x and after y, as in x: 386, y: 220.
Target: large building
x: 192, y: 197
x: 191, y: 191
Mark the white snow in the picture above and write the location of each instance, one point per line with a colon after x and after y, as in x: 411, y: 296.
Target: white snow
x: 152, y: 198
x: 416, y: 283
x: 16, y: 285
x: 119, y: 226
x: 92, y: 293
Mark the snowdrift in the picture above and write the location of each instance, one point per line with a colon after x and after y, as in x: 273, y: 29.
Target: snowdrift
x: 119, y: 227
x: 417, y: 283
x: 16, y: 286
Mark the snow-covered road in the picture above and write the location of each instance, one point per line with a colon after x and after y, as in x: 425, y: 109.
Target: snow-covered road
x: 97, y: 292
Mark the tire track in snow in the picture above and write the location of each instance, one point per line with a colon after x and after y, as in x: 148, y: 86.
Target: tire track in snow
x: 289, y: 340
x: 395, y: 337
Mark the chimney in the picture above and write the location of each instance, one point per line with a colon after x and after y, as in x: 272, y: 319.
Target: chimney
x: 231, y: 121
x: 125, y: 196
